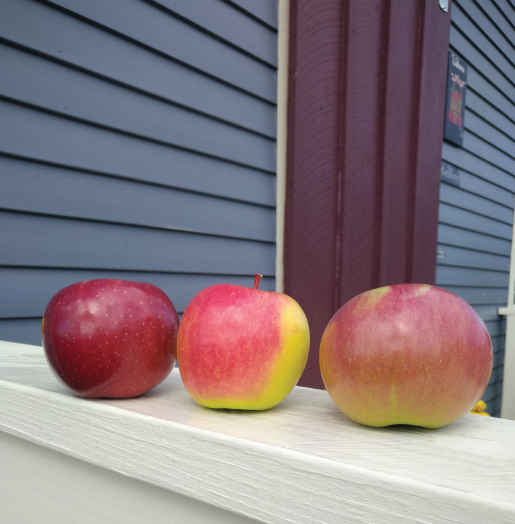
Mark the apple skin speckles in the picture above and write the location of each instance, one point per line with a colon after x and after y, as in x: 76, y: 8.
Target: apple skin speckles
x: 406, y: 354
x: 110, y: 338
x: 241, y: 348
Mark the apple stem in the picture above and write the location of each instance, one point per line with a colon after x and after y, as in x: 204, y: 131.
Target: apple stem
x: 257, y: 280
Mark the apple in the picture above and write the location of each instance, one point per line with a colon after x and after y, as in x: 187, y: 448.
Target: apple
x: 241, y: 348
x: 110, y: 338
x: 406, y: 354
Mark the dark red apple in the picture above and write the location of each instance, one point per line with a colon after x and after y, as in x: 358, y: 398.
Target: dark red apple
x: 406, y: 354
x: 110, y: 338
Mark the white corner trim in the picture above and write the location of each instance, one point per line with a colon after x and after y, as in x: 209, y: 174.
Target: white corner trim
x: 508, y: 384
x: 511, y: 286
x: 282, y: 127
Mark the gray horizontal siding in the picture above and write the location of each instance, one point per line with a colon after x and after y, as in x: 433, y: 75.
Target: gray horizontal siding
x: 457, y: 256
x: 43, y: 189
x: 62, y: 90
x: 474, y: 164
x: 22, y: 330
x: 455, y: 235
x: 460, y: 276
x: 26, y: 291
x: 233, y: 27
x: 466, y: 200
x: 58, y: 242
x: 476, y: 185
x: 123, y: 61
x: 476, y: 219
x: 490, y: 113
x: 141, y: 22
x: 264, y: 10
x: 77, y: 145
x: 476, y: 296
x: 137, y: 141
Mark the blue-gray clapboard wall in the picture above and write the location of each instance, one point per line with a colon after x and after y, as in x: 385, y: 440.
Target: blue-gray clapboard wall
x: 476, y: 219
x: 137, y: 141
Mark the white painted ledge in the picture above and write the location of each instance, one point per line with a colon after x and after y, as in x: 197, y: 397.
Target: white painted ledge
x: 302, y: 462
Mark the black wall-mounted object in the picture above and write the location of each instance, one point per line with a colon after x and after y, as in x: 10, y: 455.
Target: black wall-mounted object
x: 455, y: 99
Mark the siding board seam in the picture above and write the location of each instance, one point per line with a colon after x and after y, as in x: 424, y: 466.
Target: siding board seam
x: 158, y: 52
x: 487, y: 162
x: 250, y: 15
x: 507, y: 135
x: 441, y: 261
x: 503, y: 13
x: 135, y: 225
x: 149, y: 271
x: 494, y: 23
x: 478, y: 49
x: 119, y: 83
x: 477, y: 214
x: 476, y: 195
x: 480, y: 137
x: 133, y: 180
x: 482, y: 31
x: 131, y: 134
x: 209, y: 33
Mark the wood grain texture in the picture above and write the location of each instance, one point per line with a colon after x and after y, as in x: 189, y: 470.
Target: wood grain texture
x: 59, y: 489
x: 313, y: 162
x: 367, y: 91
x: 301, y: 462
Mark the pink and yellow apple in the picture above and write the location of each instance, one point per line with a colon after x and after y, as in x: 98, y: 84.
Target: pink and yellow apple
x: 241, y: 348
x: 110, y: 338
x: 406, y: 354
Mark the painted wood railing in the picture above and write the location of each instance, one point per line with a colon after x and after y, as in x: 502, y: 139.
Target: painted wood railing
x: 162, y: 458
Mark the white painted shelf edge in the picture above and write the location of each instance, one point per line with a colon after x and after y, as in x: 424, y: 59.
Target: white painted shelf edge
x: 266, y: 482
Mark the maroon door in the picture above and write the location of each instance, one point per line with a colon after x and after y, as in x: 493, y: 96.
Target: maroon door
x: 366, y: 103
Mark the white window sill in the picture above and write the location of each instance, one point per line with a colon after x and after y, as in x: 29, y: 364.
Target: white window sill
x: 302, y: 462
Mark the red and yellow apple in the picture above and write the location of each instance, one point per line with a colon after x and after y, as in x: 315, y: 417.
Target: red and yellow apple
x: 406, y: 354
x: 241, y: 348
x: 110, y: 338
